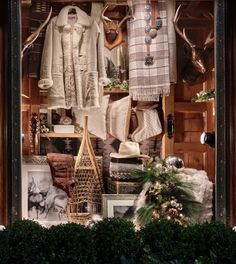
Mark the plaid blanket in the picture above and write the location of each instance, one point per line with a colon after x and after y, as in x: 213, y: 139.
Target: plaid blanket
x: 148, y: 83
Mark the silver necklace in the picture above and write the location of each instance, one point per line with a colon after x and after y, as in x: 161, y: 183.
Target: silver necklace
x: 150, y: 31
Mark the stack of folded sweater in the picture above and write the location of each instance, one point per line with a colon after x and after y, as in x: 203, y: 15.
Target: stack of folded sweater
x: 122, y: 169
x: 122, y: 180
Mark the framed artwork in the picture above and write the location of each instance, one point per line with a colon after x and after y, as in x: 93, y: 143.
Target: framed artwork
x: 41, y: 201
x: 119, y: 205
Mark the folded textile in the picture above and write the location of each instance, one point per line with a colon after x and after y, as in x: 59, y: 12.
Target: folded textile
x: 123, y: 171
x: 124, y: 167
x: 127, y: 160
x: 122, y: 176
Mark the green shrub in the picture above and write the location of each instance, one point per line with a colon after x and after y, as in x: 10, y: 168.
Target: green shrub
x: 3, y: 252
x: 116, y: 242
x: 23, y: 242
x: 161, y: 242
x: 214, y: 241
x: 70, y: 243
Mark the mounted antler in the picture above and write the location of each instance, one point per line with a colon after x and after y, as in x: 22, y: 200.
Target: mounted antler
x: 124, y: 19
x: 31, y: 39
x: 182, y: 34
x: 210, y: 39
x: 104, y: 18
x: 198, y: 56
x: 113, y: 32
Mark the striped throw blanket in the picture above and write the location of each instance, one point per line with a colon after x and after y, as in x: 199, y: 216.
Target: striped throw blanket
x: 148, y: 82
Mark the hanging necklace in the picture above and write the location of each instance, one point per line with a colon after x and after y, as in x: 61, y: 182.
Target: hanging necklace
x: 150, y: 31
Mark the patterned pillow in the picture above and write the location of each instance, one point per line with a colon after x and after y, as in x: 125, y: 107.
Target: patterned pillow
x: 96, y: 118
x: 118, y: 118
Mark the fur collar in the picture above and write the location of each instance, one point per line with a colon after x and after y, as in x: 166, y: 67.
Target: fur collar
x: 83, y: 18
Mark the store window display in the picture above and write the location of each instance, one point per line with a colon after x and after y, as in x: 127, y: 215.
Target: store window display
x: 119, y: 81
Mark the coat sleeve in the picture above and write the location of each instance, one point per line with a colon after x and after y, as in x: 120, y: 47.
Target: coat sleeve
x: 103, y: 80
x: 45, y: 81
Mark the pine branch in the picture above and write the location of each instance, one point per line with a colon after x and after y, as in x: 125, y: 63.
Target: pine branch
x: 145, y: 214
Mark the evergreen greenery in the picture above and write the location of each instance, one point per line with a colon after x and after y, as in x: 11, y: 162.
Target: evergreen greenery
x: 70, y: 243
x: 167, y: 196
x: 23, y: 242
x: 161, y: 242
x: 204, y: 96
x: 115, y: 240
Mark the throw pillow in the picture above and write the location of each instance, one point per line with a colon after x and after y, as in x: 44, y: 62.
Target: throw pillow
x: 96, y: 118
x: 118, y: 118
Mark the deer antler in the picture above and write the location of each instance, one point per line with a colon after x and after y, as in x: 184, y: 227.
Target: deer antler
x: 182, y: 34
x: 124, y: 19
x: 31, y: 39
x: 104, y: 18
x: 210, y: 39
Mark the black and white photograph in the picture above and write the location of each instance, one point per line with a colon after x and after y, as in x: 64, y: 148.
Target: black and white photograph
x: 119, y: 205
x: 45, y: 203
x: 126, y: 212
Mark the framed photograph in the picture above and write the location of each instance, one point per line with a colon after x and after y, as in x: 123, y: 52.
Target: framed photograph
x: 41, y: 201
x: 119, y: 205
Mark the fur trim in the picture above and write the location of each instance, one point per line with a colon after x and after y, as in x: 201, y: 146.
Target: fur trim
x: 45, y: 83
x: 83, y: 18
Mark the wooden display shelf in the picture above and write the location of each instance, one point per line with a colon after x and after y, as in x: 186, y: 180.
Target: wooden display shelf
x: 64, y: 135
x: 114, y: 90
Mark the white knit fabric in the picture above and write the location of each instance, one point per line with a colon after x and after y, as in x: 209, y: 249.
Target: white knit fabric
x: 149, y: 124
x: 202, y: 190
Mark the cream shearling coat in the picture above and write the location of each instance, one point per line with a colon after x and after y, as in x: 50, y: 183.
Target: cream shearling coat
x: 72, y: 65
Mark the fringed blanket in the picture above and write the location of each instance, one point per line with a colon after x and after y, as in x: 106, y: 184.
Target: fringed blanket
x: 148, y: 82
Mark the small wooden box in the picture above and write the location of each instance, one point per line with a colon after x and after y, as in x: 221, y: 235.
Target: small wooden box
x: 123, y: 187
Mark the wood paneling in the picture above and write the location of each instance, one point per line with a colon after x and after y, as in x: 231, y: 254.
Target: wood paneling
x: 191, y: 119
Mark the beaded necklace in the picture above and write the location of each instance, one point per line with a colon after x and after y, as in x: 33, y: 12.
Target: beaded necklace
x: 150, y: 31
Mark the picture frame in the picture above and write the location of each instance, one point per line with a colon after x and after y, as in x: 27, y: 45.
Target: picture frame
x: 119, y: 205
x: 41, y: 200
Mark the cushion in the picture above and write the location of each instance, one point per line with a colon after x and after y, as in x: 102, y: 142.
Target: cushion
x: 118, y: 118
x: 96, y: 118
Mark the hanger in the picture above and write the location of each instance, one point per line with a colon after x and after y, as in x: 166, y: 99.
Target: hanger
x: 72, y: 11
